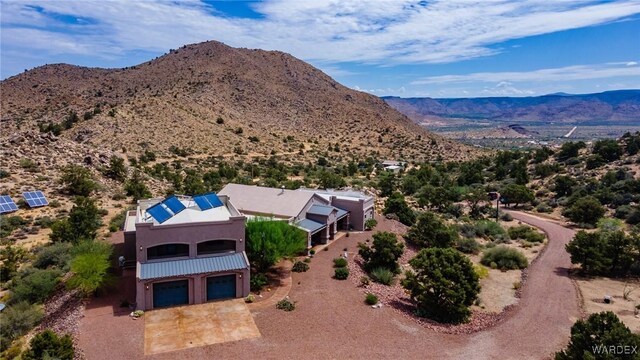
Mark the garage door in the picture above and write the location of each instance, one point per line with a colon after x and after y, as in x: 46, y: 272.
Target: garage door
x: 170, y: 293
x: 221, y: 287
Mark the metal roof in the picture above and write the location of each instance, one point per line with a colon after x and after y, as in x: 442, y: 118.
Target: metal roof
x: 341, y: 214
x: 310, y: 225
x: 321, y: 210
x: 171, y: 268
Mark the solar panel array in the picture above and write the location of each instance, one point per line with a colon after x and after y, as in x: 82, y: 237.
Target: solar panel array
x: 174, y: 204
x: 35, y: 199
x: 207, y: 201
x: 7, y: 205
x: 159, y: 213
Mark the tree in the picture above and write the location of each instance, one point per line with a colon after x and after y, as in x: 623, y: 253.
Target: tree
x: 592, y: 338
x: 430, y: 231
x: 470, y: 173
x: 10, y: 257
x: 569, y: 150
x: 90, y: 266
x: 386, y: 183
x: 586, y: 210
x: 519, y: 172
x: 193, y: 183
x: 588, y: 251
x: 516, y: 194
x: 117, y: 169
x: 331, y: 180
x: 396, y: 204
x: 563, y: 185
x: 269, y: 241
x: 474, y: 196
x: 17, y: 320
x: 136, y: 188
x: 78, y: 180
x: 443, y: 285
x: 605, y: 252
x: 82, y: 224
x: 609, y: 149
x: 48, y: 345
x: 384, y: 253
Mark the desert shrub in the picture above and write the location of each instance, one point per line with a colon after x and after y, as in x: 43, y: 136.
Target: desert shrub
x: 385, y: 252
x: 339, y: 262
x: 586, y: 210
x: 10, y: 259
x: 117, y: 222
x: 370, y: 223
x: 286, y: 305
x: 505, y: 258
x: 443, y: 284
x: 90, y: 266
x: 258, y: 281
x: 44, y: 222
x: 82, y: 224
x: 371, y: 299
x: 397, y: 205
x: 468, y: 245
x: 78, y: 180
x: 364, y: 281
x: 17, y: 320
x: 506, y: 217
x: 611, y: 253
x: 136, y: 188
x: 490, y: 230
x: 481, y: 271
x: 34, y: 285
x: 300, y: 266
x: 622, y: 212
x: 633, y: 218
x: 591, y: 338
x: 431, y: 231
x: 269, y: 241
x: 544, y: 208
x: 383, y: 276
x: 250, y: 298
x: 525, y: 232
x: 48, y: 345
x: 341, y: 273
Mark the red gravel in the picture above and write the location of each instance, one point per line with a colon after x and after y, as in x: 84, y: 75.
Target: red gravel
x: 331, y: 319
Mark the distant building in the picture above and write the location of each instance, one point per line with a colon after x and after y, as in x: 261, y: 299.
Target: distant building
x: 392, y: 165
x: 188, y: 250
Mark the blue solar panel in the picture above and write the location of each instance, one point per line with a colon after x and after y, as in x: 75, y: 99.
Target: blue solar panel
x: 202, y: 202
x: 213, y: 200
x: 159, y: 213
x: 35, y: 199
x: 174, y: 204
x: 7, y: 205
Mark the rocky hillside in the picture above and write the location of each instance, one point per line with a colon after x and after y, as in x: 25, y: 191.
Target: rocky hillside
x: 619, y: 107
x: 211, y: 99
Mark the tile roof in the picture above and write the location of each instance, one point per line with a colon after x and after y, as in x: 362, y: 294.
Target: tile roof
x: 171, y: 268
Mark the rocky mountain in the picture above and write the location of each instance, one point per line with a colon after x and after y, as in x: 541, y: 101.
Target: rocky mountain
x: 213, y: 100
x: 622, y: 106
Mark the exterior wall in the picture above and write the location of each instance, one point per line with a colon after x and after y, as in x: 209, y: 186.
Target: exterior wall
x: 129, y: 246
x: 315, y: 200
x: 148, y: 235
x: 359, y: 211
x: 197, y: 287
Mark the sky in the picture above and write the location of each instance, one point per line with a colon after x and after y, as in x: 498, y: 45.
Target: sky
x: 437, y: 48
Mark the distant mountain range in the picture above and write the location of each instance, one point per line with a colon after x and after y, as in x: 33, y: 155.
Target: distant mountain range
x: 620, y: 106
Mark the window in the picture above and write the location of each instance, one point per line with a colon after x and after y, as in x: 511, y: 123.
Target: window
x: 216, y: 246
x: 167, y: 251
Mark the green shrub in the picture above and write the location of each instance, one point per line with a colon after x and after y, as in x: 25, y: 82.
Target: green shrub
x: 506, y: 217
x: 269, y: 241
x: 250, y: 298
x: 90, y: 266
x: 586, y: 210
x: 490, y: 230
x: 371, y: 299
x: 258, y: 281
x: 339, y: 262
x: 48, y: 345
x: 383, y: 276
x: 78, y: 180
x: 385, y: 252
x: 481, y: 271
x: 341, y: 273
x: 468, y: 246
x: 527, y: 233
x: 370, y: 224
x: 35, y: 285
x: 117, y: 222
x: 364, y: 281
x: 17, y: 320
x: 300, y: 266
x: 505, y: 258
x: 286, y: 305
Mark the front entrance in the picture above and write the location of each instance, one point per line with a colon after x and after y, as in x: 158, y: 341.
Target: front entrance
x: 170, y: 293
x: 221, y: 287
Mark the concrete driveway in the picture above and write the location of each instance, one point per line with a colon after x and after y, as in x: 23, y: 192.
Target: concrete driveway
x: 191, y: 326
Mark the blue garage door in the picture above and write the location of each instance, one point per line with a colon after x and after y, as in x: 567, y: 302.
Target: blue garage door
x: 221, y: 287
x: 171, y: 293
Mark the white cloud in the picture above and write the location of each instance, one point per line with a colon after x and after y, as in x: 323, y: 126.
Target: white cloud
x: 327, y: 31
x: 568, y: 73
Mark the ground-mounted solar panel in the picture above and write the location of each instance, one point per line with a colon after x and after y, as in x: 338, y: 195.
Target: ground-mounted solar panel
x: 159, y: 213
x: 35, y: 199
x: 7, y: 205
x: 214, y: 200
x: 202, y: 202
x: 174, y: 204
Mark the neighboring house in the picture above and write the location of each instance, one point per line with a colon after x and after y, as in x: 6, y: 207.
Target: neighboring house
x: 320, y: 213
x: 392, y: 165
x: 188, y: 250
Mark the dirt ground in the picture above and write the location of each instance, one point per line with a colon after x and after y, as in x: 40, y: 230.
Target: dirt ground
x: 593, y: 293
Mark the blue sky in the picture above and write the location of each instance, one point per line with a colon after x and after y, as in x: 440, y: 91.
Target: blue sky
x: 452, y: 48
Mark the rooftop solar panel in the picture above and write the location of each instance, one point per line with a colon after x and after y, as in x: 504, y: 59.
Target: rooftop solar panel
x: 35, y: 199
x: 202, y: 202
x: 7, y: 205
x: 159, y: 213
x: 174, y: 204
x: 214, y: 200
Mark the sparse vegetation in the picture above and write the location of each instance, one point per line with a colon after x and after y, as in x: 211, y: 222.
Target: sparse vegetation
x: 504, y: 258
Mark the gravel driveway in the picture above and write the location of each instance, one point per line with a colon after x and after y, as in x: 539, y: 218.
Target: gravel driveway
x: 331, y: 320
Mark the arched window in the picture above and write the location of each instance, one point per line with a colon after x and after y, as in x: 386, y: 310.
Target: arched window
x: 167, y: 251
x: 216, y: 247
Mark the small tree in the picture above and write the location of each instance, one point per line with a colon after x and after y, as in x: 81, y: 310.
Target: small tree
x: 48, y: 345
x: 563, y: 185
x: 82, y: 224
x: 384, y: 253
x: 591, y: 339
x: 474, y: 197
x: 516, y: 194
x: 331, y: 180
x: 136, y: 188
x: 90, y: 266
x: 396, y: 204
x: 443, y: 285
x: 78, y: 180
x: 35, y: 285
x: 586, y: 210
x: 608, y: 149
x: 430, y: 231
x: 386, y: 183
x: 116, y: 169
x: 269, y: 241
